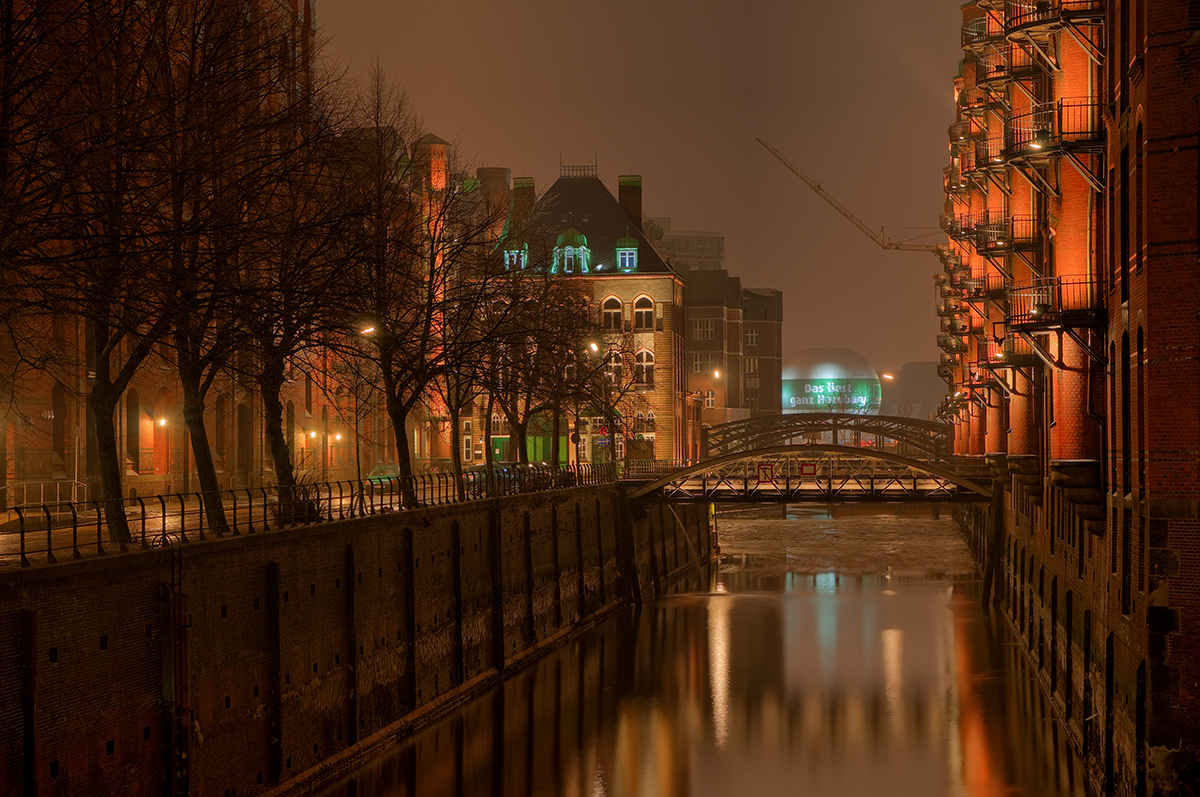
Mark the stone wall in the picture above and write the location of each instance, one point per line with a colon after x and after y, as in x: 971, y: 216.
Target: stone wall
x: 280, y: 657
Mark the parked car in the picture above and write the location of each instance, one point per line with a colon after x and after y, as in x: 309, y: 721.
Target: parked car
x: 383, y: 473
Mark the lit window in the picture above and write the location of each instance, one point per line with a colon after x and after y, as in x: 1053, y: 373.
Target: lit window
x: 612, y: 368
x: 612, y: 314
x: 710, y: 399
x: 627, y: 260
x: 643, y: 313
x: 643, y: 368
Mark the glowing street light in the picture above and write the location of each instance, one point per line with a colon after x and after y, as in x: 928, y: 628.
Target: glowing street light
x: 162, y: 421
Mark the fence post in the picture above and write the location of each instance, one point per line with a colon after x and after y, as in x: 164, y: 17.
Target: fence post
x: 200, y: 517
x: 266, y: 525
x: 74, y: 532
x: 182, y: 518
x: 49, y: 524
x: 249, y: 511
x: 99, y: 515
x: 21, y: 522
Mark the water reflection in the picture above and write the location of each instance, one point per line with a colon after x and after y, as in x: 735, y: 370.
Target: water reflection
x: 764, y: 676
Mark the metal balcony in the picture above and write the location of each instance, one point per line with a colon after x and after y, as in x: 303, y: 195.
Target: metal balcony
x: 951, y: 343
x: 976, y: 289
x: 1047, y: 15
x: 955, y: 325
x: 1008, y: 352
x: 1048, y: 129
x: 977, y: 101
x: 989, y: 153
x: 981, y: 31
x: 1013, y: 234
x: 953, y: 181
x: 949, y: 308
x: 1055, y: 303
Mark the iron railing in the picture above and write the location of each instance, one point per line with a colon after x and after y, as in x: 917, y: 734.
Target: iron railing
x: 981, y: 30
x: 1032, y: 13
x: 1056, y: 302
x: 1047, y: 126
x: 55, y: 528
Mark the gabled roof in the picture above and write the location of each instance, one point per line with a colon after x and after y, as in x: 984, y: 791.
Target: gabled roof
x: 589, y: 207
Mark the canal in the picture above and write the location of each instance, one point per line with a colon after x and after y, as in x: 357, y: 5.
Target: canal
x: 821, y: 655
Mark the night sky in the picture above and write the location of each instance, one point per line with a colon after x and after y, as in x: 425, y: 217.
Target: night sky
x: 857, y: 94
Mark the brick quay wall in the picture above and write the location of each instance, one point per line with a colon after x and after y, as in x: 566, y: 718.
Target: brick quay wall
x: 272, y: 661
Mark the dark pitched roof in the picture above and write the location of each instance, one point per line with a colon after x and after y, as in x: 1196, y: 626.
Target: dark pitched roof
x: 589, y: 207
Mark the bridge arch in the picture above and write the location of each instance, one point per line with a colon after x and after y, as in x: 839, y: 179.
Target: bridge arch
x: 927, y: 439
x: 939, y: 469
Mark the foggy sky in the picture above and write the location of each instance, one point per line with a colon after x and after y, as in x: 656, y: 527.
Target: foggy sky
x: 857, y: 94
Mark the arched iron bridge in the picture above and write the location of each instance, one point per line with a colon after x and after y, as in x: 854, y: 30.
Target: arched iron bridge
x: 818, y: 473
x: 926, y: 440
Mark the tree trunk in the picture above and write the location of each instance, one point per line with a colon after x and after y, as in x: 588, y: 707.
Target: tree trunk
x: 103, y: 399
x: 456, y: 466
x: 270, y: 384
x: 398, y: 413
x: 206, y: 470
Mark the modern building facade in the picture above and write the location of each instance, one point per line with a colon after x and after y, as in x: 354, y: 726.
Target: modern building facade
x: 1071, y: 348
x: 734, y: 345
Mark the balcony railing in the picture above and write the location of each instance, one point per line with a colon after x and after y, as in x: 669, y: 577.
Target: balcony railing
x: 1056, y: 302
x: 998, y: 234
x: 951, y: 343
x: 953, y: 182
x: 955, y: 325
x: 976, y: 101
x: 1009, y: 352
x: 1047, y: 127
x: 980, y: 288
x: 981, y: 30
x: 949, y: 308
x: 989, y: 152
x: 1049, y: 13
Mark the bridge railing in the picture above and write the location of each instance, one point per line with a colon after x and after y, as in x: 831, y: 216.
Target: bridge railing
x: 54, y: 529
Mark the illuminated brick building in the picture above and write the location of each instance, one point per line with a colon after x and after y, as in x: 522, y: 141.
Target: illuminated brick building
x: 1069, y: 331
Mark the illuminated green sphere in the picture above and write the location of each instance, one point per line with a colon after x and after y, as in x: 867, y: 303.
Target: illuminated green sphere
x: 831, y: 380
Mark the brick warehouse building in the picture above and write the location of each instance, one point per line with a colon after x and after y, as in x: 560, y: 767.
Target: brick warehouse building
x: 1071, y: 342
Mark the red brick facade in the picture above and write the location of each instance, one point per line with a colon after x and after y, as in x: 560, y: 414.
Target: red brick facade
x: 1072, y: 306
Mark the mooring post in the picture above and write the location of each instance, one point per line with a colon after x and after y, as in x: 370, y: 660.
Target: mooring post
x: 992, y: 554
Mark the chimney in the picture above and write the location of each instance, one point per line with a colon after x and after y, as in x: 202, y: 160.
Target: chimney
x: 524, y: 197
x: 629, y: 194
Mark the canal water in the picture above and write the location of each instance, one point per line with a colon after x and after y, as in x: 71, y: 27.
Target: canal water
x: 821, y: 655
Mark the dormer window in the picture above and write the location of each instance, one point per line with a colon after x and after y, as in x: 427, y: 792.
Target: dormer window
x: 627, y: 253
x: 516, y: 256
x: 571, y: 253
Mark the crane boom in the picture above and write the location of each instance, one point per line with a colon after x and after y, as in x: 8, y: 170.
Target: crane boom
x: 870, y: 232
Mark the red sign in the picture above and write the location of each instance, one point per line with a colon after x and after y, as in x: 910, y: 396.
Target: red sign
x: 766, y: 473
x: 808, y: 469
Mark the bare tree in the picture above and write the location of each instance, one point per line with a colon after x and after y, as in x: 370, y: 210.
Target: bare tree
x: 426, y: 231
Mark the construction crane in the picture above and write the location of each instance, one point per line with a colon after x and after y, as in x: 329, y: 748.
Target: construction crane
x: 870, y: 232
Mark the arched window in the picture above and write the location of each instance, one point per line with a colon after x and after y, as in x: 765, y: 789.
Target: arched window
x: 643, y: 368
x: 639, y: 423
x: 710, y: 399
x: 643, y: 313
x: 650, y: 421
x: 612, y: 368
x: 612, y: 314
x: 133, y: 424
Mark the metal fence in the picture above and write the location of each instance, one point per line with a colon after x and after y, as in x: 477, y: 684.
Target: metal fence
x: 55, y: 528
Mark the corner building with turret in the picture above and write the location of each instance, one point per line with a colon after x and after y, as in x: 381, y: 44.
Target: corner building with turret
x: 1070, y: 338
